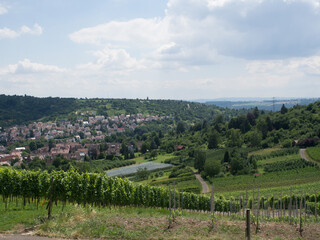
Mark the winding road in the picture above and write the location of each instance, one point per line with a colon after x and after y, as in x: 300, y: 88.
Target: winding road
x: 205, y: 188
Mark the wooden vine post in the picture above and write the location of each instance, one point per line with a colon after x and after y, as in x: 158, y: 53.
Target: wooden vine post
x: 179, y: 199
x: 281, y: 207
x: 258, y: 211
x: 174, y: 196
x: 212, y: 206
x: 50, y: 203
x: 169, y: 206
x: 315, y: 205
x: 290, y: 206
x: 273, y: 206
x: 243, y: 206
x: 300, y: 228
x: 253, y: 199
x: 181, y: 202
x: 248, y: 224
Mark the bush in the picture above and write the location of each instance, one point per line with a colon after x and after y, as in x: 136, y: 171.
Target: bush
x: 287, y: 143
x: 212, y: 168
x: 220, y: 175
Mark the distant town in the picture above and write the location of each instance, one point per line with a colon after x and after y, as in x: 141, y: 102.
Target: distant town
x: 65, y: 138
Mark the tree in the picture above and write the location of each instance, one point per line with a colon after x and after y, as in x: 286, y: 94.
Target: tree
x: 180, y: 128
x: 153, y: 154
x: 142, y: 173
x: 283, y: 109
x: 262, y: 126
x: 256, y: 112
x: 81, y: 134
x: 226, y: 157
x: 236, y: 165
x: 153, y: 145
x: 213, y: 140
x: 103, y: 147
x: 160, y: 134
x: 93, y: 152
x: 14, y: 161
x: 37, y: 163
x: 33, y: 146
x: 269, y: 123
x: 144, y: 147
x: 57, y: 162
x: 235, y: 139
x: 212, y: 168
x: 157, y: 141
x: 51, y: 144
x: 200, y: 159
x: 102, y: 155
x: 124, y: 151
x: 31, y: 134
x: 251, y: 118
x: 254, y: 138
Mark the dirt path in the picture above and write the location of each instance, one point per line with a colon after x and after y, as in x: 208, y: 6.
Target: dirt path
x: 205, y: 188
x: 24, y: 237
x: 304, y: 155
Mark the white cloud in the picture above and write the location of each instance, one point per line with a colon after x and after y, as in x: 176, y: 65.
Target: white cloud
x: 141, y: 32
x: 8, y: 33
x: 3, y: 9
x: 113, y: 60
x: 294, y: 66
x: 247, y: 29
x: 37, y: 30
x: 26, y: 67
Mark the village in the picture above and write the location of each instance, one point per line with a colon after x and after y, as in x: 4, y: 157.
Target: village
x: 65, y: 138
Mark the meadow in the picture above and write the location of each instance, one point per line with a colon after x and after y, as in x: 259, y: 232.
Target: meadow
x: 267, y: 182
x: 314, y: 153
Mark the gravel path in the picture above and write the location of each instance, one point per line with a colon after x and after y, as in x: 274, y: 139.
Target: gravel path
x: 205, y: 188
x: 25, y: 237
x: 303, y: 154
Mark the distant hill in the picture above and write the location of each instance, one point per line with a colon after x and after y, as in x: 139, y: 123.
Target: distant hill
x: 269, y: 105
x: 24, y: 109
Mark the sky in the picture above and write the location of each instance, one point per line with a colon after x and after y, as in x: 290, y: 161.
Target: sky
x: 161, y: 49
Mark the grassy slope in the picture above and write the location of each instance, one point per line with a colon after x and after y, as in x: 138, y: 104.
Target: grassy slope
x: 138, y: 223
x: 264, y: 151
x: 314, y: 153
x: 307, y: 179
x: 277, y: 159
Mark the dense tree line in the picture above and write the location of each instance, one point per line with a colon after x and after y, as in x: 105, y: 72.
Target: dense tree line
x: 23, y: 109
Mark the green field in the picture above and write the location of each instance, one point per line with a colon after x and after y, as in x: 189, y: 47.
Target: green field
x: 277, y: 159
x: 264, y: 151
x: 186, y: 183
x: 159, y: 158
x: 262, y: 163
x: 314, y: 153
x: 232, y: 185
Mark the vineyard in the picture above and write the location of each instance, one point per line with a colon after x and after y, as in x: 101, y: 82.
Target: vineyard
x: 101, y: 190
x: 263, y: 162
x: 288, y: 165
x: 296, y: 177
x: 277, y: 153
